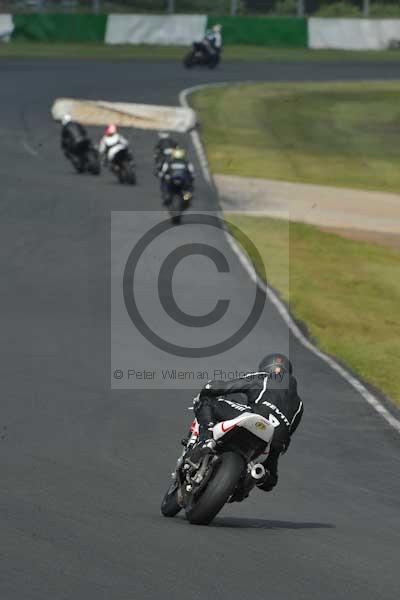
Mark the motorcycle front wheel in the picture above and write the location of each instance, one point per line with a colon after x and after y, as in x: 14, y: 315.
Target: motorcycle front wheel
x: 175, y: 209
x: 78, y: 163
x: 188, y: 61
x: 169, y: 505
x: 202, y: 510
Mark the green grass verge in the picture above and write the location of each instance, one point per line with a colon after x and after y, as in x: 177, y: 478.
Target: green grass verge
x: 129, y: 52
x: 339, y: 134
x: 348, y: 293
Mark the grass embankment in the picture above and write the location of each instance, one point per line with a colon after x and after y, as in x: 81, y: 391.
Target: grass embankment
x: 130, y: 52
x: 346, y: 292
x: 338, y: 134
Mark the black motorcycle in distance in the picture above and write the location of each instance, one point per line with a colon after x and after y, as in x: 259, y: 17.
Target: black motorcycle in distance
x: 84, y: 157
x: 123, y: 165
x: 200, y: 55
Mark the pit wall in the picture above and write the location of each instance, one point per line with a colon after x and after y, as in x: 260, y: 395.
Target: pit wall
x: 348, y: 34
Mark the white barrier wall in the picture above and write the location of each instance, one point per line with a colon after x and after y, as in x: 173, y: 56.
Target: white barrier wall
x: 154, y: 29
x: 6, y: 27
x: 352, y: 34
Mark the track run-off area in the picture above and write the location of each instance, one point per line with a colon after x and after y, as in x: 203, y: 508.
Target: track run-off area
x: 84, y: 467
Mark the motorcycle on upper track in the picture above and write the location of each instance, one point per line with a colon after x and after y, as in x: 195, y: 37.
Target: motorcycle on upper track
x: 199, y: 55
x: 85, y: 158
x: 202, y: 488
x: 180, y: 199
x: 122, y: 164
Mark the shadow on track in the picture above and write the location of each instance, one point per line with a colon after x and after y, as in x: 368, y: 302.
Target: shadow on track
x: 243, y: 523
x: 236, y: 522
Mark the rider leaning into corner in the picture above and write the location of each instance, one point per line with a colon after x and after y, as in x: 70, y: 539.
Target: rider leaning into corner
x: 271, y: 392
x: 72, y: 134
x: 111, y: 143
x: 175, y: 165
x: 212, y: 41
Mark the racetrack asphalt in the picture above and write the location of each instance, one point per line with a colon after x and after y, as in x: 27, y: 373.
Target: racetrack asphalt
x: 83, y: 467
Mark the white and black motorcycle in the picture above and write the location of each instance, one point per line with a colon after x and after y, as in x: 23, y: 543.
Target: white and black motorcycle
x: 203, y: 488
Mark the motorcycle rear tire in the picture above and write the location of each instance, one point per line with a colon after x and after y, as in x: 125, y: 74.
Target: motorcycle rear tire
x: 176, y: 219
x: 218, y: 490
x: 127, y: 174
x: 175, y: 209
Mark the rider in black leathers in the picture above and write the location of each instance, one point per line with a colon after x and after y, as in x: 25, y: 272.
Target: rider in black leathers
x: 73, y: 136
x: 271, y: 391
x: 163, y: 149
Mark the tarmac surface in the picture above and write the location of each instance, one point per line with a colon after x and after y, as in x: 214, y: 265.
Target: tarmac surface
x: 83, y: 467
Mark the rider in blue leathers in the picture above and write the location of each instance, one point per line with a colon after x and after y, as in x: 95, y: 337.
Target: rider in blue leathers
x: 175, y: 166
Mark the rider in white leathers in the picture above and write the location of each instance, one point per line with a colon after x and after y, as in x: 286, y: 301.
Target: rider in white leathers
x: 213, y: 40
x: 111, y: 143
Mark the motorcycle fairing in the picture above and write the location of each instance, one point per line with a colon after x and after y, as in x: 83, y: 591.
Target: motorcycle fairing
x: 255, y: 424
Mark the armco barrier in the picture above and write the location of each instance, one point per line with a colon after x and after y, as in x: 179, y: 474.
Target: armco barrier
x: 263, y: 31
x: 48, y: 27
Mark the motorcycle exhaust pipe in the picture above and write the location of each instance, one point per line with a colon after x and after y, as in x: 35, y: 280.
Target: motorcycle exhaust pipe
x: 257, y: 471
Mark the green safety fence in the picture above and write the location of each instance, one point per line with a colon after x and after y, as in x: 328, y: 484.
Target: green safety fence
x: 49, y: 27
x: 263, y: 31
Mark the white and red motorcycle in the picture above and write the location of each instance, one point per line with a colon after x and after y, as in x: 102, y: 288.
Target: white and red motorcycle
x: 203, y: 488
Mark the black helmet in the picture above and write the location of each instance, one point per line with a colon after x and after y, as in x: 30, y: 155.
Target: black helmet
x: 276, y: 361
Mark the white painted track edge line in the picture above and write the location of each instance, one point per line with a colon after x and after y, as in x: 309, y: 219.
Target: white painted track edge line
x: 355, y: 383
